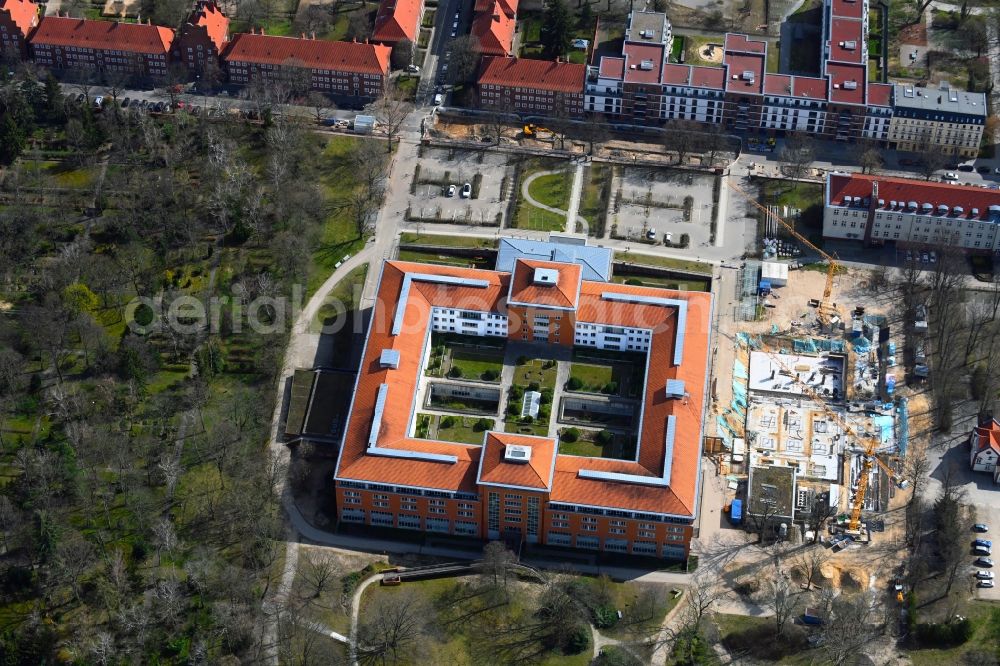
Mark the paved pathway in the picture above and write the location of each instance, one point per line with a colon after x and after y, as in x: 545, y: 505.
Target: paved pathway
x: 574, y: 202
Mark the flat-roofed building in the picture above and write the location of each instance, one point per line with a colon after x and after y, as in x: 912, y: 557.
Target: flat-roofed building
x: 944, y: 119
x: 516, y: 486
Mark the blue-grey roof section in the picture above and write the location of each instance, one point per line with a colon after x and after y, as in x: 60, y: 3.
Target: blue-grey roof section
x: 682, y: 311
x: 409, y: 278
x: 595, y: 262
x: 389, y: 358
x: 383, y: 392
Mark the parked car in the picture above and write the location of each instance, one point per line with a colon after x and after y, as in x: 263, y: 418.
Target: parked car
x: 985, y: 583
x: 982, y: 550
x: 986, y: 543
x: 466, y: 190
x: 983, y: 562
x: 909, y: 256
x: 99, y: 102
x: 933, y: 256
x: 951, y: 176
x: 438, y: 99
x: 412, y: 69
x: 983, y: 169
x: 966, y: 167
x: 924, y: 257
x: 450, y: 192
x: 80, y: 98
x: 980, y: 527
x: 125, y: 103
x: 984, y: 575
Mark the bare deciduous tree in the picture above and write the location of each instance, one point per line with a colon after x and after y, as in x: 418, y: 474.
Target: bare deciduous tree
x: 778, y: 595
x: 391, y: 628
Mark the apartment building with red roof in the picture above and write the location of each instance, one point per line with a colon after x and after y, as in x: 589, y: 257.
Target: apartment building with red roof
x: 398, y: 20
x: 202, y: 38
x: 536, y: 87
x: 515, y: 486
x: 494, y: 29
x: 912, y: 213
x: 346, y: 70
x: 17, y: 19
x: 108, y: 47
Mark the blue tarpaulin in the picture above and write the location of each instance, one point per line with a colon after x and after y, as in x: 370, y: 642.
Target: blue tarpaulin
x: 904, y: 426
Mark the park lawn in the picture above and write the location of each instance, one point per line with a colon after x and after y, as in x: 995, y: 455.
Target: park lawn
x: 664, y: 262
x: 455, y: 610
x: 530, y: 217
x: 410, y: 238
x: 474, y: 364
x: 978, y: 613
x: 594, y: 377
x: 340, y: 236
x: 553, y: 189
x: 745, y: 633
x: 343, y: 298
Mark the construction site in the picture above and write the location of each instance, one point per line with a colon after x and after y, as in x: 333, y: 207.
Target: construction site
x: 813, y: 391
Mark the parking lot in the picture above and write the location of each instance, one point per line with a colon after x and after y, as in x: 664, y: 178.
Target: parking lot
x: 981, y: 493
x: 441, y: 168
x: 653, y: 199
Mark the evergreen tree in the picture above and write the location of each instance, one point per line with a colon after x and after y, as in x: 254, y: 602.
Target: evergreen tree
x: 556, y: 30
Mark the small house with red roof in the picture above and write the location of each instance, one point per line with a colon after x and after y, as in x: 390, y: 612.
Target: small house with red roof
x: 494, y: 28
x: 202, y: 38
x: 984, y: 446
x: 135, y: 49
x: 17, y: 19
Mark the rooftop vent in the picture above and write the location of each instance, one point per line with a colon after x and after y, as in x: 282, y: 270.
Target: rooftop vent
x: 881, y: 203
x: 514, y: 453
x: 974, y: 212
x: 850, y: 85
x: 647, y: 34
x: 943, y: 209
x: 907, y: 91
x: 546, y: 276
x: 675, y: 388
x: 994, y: 209
x: 849, y: 45
x: 646, y: 65
x: 389, y: 358
x: 747, y: 75
x: 957, y: 210
x: 928, y: 206
x: 911, y: 204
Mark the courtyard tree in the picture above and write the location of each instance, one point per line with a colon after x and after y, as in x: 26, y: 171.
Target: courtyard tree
x: 390, y: 110
x: 465, y: 54
x: 798, y: 153
x: 402, y: 54
x: 495, y: 568
x: 777, y: 595
x: 930, y: 157
x: 557, y: 30
x: 391, y: 628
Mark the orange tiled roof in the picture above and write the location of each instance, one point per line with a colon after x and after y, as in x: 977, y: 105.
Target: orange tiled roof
x: 495, y: 31
x: 536, y: 473
x: 312, y: 53
x: 131, y: 37
x: 679, y: 498
x: 23, y: 13
x: 509, y: 7
x: 537, y: 74
x: 397, y: 20
x: 216, y: 24
x: 562, y: 294
x: 988, y: 437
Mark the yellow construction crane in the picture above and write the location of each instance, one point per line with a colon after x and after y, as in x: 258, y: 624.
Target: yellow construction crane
x: 870, y: 444
x: 826, y: 308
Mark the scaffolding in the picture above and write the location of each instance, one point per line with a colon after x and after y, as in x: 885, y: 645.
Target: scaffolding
x: 817, y: 345
x: 749, y: 287
x: 904, y: 426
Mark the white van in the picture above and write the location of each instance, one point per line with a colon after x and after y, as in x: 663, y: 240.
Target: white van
x: 438, y: 100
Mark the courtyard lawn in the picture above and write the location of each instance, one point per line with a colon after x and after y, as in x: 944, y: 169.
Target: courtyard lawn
x: 593, y: 206
x: 535, y: 371
x: 807, y: 197
x: 459, y: 429
x: 663, y: 283
x: 593, y: 377
x: 477, y: 364
x: 530, y: 217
